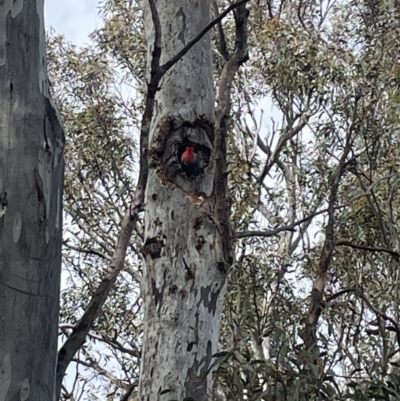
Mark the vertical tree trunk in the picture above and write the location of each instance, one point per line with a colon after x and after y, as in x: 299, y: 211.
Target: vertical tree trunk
x: 31, y: 187
x: 185, y: 253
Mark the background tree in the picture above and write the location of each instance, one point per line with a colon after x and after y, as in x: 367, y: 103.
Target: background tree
x: 311, y: 309
x: 31, y: 190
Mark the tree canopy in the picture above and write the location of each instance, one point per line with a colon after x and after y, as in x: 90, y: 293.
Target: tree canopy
x: 311, y: 310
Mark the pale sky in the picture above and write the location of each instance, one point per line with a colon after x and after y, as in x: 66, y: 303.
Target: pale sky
x: 73, y: 18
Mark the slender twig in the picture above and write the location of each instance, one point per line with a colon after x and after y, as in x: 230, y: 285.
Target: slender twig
x: 380, y: 314
x: 367, y: 248
x: 87, y: 251
x: 271, y: 233
x: 113, y: 343
x: 293, y: 131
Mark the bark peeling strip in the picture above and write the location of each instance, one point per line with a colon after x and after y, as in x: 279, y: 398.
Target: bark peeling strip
x: 5, y: 375
x: 17, y: 228
x: 25, y: 390
x: 15, y: 6
x: 45, y: 176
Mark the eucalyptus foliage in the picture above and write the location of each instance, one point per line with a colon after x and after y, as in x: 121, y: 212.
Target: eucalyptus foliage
x: 313, y: 165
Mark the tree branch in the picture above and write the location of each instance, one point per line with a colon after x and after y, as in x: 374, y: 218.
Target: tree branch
x: 378, y: 312
x: 157, y: 24
x: 274, y: 157
x: 221, y: 190
x: 328, y: 247
x: 78, y: 336
x: 87, y: 251
x: 221, y: 35
x: 129, y: 392
x: 113, y: 343
x: 164, y: 68
x: 367, y: 248
x: 271, y: 233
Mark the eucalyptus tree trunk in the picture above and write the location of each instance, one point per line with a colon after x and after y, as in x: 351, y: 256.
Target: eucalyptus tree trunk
x: 187, y: 236
x: 31, y: 187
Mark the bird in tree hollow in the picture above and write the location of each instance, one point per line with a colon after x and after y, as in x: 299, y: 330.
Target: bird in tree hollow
x: 190, y: 161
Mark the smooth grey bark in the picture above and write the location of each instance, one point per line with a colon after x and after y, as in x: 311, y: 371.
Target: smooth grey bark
x: 187, y: 234
x: 31, y: 188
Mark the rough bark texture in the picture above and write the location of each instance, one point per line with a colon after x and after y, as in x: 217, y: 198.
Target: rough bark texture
x: 186, y: 261
x: 31, y: 187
